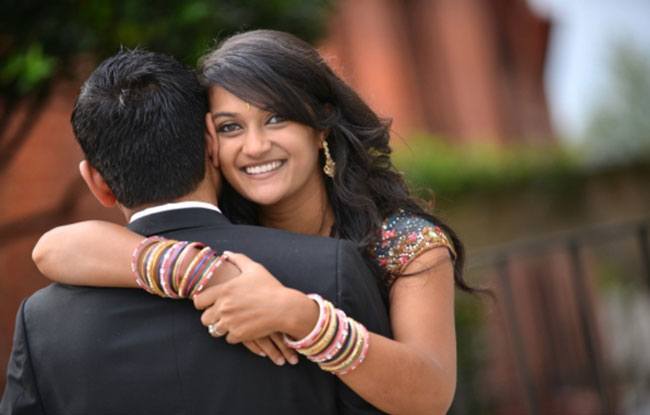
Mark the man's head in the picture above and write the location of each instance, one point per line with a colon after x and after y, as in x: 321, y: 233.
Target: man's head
x: 139, y: 119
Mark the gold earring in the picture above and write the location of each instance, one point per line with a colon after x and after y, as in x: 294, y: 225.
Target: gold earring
x: 330, y: 166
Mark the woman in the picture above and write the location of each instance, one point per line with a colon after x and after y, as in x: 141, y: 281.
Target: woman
x: 302, y: 152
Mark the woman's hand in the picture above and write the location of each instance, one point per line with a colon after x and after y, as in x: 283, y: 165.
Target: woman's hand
x: 274, y: 348
x: 247, y: 307
x: 254, y: 308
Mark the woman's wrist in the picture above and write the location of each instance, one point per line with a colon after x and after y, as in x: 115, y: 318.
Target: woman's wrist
x: 300, y: 314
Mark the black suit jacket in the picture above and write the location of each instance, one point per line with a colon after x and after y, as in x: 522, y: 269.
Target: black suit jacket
x: 82, y: 350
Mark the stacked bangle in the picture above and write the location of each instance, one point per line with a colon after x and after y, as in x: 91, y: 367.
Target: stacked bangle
x: 338, y: 343
x: 171, y: 269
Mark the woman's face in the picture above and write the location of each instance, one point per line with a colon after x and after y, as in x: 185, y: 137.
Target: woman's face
x: 265, y: 158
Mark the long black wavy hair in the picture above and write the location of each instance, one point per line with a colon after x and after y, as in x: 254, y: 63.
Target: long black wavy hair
x: 285, y: 75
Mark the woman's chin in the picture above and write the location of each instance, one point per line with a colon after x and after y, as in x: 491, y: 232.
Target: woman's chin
x: 264, y: 198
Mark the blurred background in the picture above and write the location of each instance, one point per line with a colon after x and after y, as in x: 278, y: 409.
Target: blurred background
x: 526, y: 122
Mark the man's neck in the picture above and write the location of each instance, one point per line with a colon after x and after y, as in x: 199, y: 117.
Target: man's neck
x: 204, y: 196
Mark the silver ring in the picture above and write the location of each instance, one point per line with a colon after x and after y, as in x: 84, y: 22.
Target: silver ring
x: 214, y: 332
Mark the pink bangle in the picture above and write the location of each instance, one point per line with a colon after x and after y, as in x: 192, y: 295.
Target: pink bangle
x: 135, y: 256
x: 364, y: 352
x: 311, y: 338
x: 207, y: 276
x: 339, y: 340
x: 166, y: 269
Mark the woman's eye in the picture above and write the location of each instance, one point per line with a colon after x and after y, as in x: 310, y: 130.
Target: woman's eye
x: 228, y: 128
x: 276, y: 119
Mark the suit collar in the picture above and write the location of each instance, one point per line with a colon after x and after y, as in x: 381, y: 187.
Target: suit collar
x: 177, y: 219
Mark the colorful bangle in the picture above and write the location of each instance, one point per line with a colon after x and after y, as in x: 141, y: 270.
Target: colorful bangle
x: 169, y: 259
x: 182, y: 286
x: 337, y: 344
x: 363, y: 355
x: 354, y: 354
x: 154, y: 265
x: 195, y: 270
x: 310, y: 338
x: 345, y: 351
x: 328, y: 333
x: 177, y: 271
x: 137, y: 256
x: 207, y: 275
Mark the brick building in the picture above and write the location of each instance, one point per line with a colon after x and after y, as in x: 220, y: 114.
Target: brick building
x: 466, y: 70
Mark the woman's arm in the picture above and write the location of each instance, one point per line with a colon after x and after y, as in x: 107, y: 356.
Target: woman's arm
x: 98, y: 254
x: 94, y: 253
x: 412, y: 374
x: 416, y: 372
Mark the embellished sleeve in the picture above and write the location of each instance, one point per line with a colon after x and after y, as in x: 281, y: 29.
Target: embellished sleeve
x: 403, y: 237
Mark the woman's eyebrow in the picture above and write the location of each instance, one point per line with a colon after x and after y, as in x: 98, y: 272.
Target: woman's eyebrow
x: 223, y: 114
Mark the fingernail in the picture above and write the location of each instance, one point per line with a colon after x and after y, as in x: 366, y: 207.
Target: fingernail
x: 280, y: 362
x: 262, y: 354
x: 293, y: 360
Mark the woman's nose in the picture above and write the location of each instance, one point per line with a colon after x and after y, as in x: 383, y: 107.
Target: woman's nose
x: 256, y: 143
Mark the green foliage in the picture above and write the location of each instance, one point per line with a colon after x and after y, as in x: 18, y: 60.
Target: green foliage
x: 27, y: 70
x: 39, y: 39
x: 619, y: 130
x: 447, y: 170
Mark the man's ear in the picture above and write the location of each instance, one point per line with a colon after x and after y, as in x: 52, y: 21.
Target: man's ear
x: 211, y: 141
x: 97, y: 184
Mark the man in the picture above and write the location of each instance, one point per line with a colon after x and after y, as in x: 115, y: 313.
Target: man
x: 80, y: 350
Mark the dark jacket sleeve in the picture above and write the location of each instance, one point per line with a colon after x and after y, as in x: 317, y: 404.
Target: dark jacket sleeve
x: 21, y: 393
x: 358, y: 295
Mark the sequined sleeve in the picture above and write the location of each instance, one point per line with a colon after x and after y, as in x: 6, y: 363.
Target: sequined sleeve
x: 403, y: 237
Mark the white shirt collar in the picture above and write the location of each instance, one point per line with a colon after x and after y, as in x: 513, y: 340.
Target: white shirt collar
x: 172, y: 206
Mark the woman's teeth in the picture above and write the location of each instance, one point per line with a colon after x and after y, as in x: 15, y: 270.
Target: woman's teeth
x: 263, y: 168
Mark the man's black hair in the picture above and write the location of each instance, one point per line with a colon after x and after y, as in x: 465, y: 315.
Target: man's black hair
x: 139, y: 119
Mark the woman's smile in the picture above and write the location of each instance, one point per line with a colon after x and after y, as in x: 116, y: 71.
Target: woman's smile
x: 263, y: 170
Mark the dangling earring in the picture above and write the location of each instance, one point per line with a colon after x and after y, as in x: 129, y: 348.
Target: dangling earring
x: 330, y: 166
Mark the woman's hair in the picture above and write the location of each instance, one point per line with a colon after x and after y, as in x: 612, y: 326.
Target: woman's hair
x: 283, y: 74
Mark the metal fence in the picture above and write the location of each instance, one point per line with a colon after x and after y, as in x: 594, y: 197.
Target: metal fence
x: 582, y: 251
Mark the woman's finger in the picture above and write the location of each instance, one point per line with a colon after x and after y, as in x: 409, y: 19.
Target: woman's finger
x: 241, y: 261
x: 254, y: 347
x: 206, y: 298
x: 268, y: 347
x: 289, y: 354
x: 215, y: 331
x: 210, y: 316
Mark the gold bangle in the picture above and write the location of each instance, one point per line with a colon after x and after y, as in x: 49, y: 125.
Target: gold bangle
x: 186, y: 275
x: 153, y: 265
x: 348, y: 348
x: 354, y: 355
x: 142, y: 270
x: 176, y: 271
x: 328, y: 333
